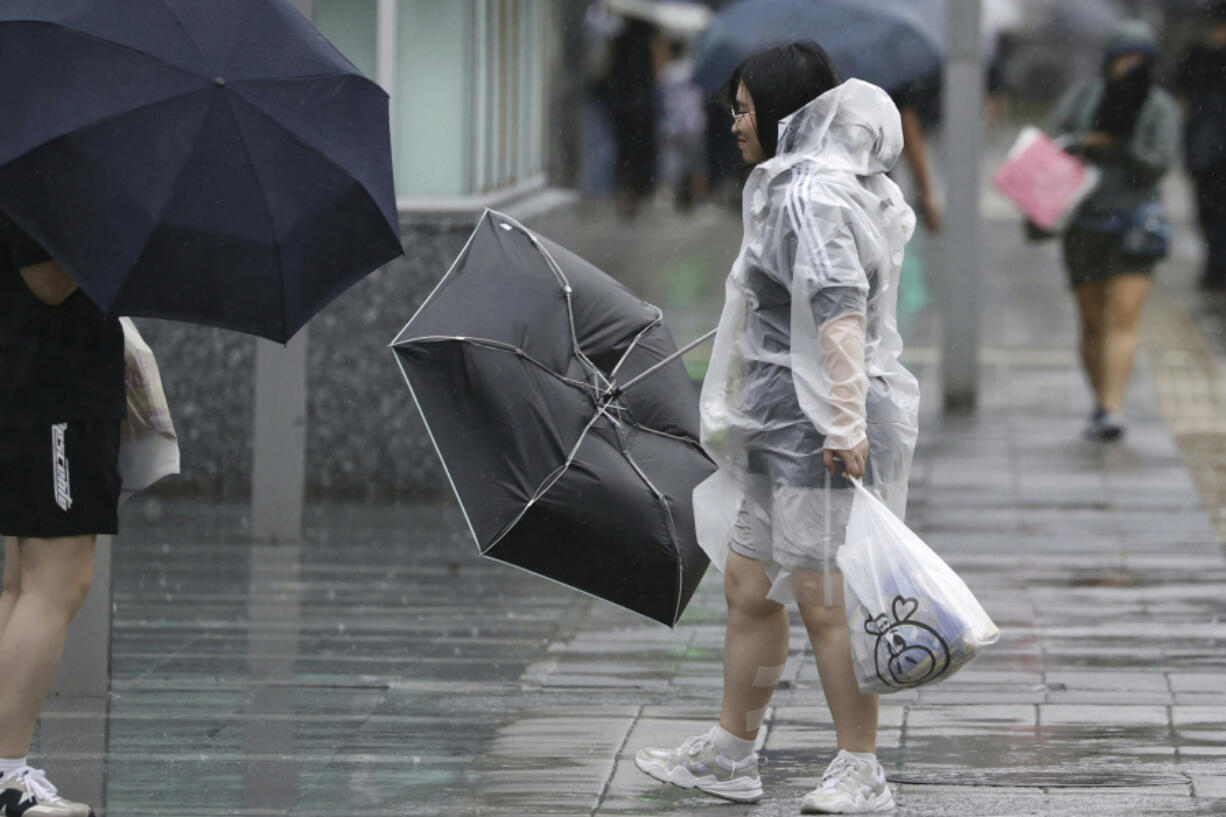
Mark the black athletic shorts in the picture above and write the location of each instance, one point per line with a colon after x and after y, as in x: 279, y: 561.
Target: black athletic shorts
x: 60, y: 480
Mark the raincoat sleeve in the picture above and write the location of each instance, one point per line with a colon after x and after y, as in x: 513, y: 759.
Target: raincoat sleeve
x: 829, y: 316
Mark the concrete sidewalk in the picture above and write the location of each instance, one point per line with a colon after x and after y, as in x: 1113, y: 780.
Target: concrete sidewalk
x: 1105, y: 693
x: 382, y: 668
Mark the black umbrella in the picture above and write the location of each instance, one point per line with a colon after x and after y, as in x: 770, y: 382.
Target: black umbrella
x: 514, y: 361
x: 214, y: 161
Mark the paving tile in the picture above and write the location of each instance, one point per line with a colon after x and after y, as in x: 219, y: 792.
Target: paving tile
x: 1065, y: 714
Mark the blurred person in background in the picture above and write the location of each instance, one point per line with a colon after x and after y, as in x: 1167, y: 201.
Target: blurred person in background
x: 683, y: 123
x: 1129, y: 128
x: 600, y: 26
x: 630, y: 93
x: 919, y: 105
x: 1201, y: 83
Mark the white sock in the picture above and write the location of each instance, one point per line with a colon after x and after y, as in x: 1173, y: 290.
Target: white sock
x: 729, y: 745
x: 864, y: 757
x: 8, y: 765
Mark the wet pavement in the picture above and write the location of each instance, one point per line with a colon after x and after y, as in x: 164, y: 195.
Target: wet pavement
x: 382, y: 668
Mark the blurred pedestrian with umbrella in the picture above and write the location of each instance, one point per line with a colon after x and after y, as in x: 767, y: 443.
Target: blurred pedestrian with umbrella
x: 804, y: 380
x: 217, y: 162
x: 1129, y: 128
x: 1201, y: 82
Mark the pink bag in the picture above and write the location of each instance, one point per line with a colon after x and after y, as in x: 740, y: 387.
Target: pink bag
x: 1045, y: 182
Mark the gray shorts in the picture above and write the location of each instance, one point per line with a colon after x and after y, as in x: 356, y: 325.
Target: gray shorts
x: 797, y: 533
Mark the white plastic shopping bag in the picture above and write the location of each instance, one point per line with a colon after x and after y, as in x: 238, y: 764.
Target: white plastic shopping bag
x: 912, y: 620
x: 148, y: 444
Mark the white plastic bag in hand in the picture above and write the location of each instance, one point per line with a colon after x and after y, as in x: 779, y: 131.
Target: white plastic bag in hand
x: 913, y: 620
x: 148, y: 444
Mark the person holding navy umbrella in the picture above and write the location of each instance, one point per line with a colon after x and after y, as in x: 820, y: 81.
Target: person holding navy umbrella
x: 61, y: 403
x: 211, y: 161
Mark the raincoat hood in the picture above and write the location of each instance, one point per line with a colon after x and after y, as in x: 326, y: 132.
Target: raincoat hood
x: 1131, y: 37
x: 854, y: 127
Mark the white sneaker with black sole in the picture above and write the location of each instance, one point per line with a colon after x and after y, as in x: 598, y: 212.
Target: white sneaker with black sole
x: 28, y: 793
x: 696, y: 764
x: 850, y: 786
x: 1105, y: 426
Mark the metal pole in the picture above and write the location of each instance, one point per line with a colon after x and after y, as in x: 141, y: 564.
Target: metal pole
x: 271, y: 779
x: 278, y: 473
x: 962, y: 253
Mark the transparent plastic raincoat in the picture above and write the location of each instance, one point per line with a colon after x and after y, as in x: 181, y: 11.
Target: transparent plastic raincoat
x: 806, y: 354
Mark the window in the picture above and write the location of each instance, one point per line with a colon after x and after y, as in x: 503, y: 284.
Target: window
x: 468, y: 85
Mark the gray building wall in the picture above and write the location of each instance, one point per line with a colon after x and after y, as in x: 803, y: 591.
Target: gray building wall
x: 364, y: 439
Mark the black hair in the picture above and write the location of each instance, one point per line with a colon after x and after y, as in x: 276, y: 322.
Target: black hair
x: 781, y: 79
x: 1215, y: 12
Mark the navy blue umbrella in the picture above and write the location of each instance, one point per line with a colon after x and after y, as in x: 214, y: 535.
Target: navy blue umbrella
x: 213, y: 161
x: 890, y: 43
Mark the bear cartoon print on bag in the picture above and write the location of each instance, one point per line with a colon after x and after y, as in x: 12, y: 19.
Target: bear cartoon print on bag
x: 908, y: 652
x: 913, y: 621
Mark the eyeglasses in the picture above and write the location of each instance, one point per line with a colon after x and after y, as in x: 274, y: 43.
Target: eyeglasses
x: 736, y: 114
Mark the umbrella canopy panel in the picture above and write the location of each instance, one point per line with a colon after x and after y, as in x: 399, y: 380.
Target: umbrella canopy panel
x: 886, y: 43
x: 217, y: 162
x: 514, y: 362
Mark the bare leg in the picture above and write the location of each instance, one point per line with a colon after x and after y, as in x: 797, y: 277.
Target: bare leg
x: 12, y: 579
x: 1125, y: 297
x: 55, y: 576
x: 755, y: 646
x: 1091, y: 303
x: 855, y: 715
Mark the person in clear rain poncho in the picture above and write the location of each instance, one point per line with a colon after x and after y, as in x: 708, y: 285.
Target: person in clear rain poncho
x: 804, y: 388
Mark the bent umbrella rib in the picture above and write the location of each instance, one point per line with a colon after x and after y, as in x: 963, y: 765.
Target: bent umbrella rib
x: 439, y: 452
x: 659, y: 321
x: 661, y: 364
x: 668, y: 518
x: 545, y: 485
x: 454, y: 264
x: 558, y: 273
x: 496, y: 346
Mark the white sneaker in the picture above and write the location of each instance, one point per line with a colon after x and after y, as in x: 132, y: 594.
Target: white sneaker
x: 28, y: 793
x: 850, y: 786
x: 696, y: 764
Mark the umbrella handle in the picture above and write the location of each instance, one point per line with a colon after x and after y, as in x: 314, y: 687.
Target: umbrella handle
x: 665, y: 361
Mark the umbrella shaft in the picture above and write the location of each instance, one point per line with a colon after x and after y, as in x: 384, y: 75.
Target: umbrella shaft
x: 667, y: 360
